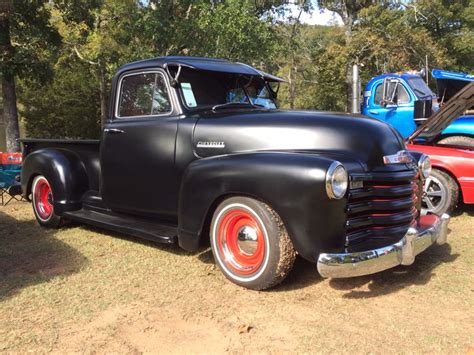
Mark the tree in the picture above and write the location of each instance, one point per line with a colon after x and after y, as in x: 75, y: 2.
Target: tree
x: 109, y: 33
x: 385, y: 41
x: 68, y: 106
x: 98, y: 37
x: 349, y: 13
x: 451, y: 25
x: 26, y: 40
x: 200, y: 28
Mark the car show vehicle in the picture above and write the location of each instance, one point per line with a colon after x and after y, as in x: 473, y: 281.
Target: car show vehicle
x: 195, y: 152
x: 404, y: 100
x: 452, y: 176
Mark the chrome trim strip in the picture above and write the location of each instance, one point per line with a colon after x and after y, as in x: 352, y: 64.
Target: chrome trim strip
x: 401, y: 157
x: 371, y: 261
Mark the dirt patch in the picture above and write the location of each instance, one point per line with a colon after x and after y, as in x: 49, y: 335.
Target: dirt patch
x: 133, y: 329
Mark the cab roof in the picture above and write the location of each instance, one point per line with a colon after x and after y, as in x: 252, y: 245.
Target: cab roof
x: 200, y: 63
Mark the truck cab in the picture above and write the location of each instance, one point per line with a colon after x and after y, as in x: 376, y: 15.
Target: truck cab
x: 405, y: 101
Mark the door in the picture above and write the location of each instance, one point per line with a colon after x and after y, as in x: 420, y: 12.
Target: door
x: 138, y: 147
x: 393, y: 105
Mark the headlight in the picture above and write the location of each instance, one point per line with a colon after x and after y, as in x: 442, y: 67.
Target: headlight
x: 336, y: 180
x: 424, y: 164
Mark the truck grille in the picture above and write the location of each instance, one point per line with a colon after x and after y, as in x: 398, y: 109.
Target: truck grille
x: 381, y: 207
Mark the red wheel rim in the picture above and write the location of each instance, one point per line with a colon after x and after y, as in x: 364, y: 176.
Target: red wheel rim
x: 241, y: 241
x: 43, y: 198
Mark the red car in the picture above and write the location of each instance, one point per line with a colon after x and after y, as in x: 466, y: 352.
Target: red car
x: 452, y: 175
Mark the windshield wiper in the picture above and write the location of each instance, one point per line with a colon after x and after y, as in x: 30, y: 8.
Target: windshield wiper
x: 235, y: 104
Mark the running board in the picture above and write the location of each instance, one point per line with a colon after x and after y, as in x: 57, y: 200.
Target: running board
x: 130, y: 225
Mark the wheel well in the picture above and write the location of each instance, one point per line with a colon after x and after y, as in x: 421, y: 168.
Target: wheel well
x: 203, y: 236
x: 30, y: 185
x: 444, y: 170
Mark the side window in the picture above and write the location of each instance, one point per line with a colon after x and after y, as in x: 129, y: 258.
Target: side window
x: 143, y: 94
x: 402, y: 95
x: 378, y: 94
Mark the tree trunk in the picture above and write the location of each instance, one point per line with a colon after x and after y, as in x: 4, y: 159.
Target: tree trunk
x: 103, y: 96
x: 293, y: 67
x: 348, y: 22
x: 10, y: 113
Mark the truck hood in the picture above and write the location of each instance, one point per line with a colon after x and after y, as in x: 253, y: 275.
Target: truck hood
x: 448, y: 83
x: 454, y: 108
x: 346, y: 137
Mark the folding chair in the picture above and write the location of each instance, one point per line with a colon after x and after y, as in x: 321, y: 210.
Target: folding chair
x: 10, y: 169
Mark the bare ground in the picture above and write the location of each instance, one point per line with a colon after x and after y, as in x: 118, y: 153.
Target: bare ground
x: 84, y: 290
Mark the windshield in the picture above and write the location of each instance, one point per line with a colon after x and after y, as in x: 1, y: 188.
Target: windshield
x: 206, y: 89
x: 419, y: 86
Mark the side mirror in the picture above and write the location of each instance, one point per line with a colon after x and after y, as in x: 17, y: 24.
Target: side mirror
x: 390, y: 92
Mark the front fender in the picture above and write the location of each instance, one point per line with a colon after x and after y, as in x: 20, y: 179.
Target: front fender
x: 463, y: 126
x: 64, y: 171
x: 293, y: 184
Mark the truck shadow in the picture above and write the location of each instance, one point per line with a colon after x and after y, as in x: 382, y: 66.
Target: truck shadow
x: 31, y: 255
x: 400, y: 277
x: 171, y: 248
x: 303, y: 274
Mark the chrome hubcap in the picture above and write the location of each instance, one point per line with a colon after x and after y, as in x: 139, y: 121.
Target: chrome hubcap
x: 247, y: 240
x: 434, y: 194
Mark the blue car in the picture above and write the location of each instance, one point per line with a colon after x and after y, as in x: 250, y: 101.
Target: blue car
x: 404, y: 100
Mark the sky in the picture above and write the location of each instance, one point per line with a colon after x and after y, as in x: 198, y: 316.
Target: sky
x: 315, y: 17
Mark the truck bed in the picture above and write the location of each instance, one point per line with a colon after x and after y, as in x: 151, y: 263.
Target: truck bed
x: 87, y: 150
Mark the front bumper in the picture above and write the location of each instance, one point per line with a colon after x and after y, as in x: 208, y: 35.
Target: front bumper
x: 429, y: 230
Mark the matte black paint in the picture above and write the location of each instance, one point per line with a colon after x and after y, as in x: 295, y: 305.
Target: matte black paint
x: 155, y: 170
x: 292, y: 183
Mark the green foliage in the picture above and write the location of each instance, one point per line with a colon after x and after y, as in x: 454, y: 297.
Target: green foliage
x: 33, y: 39
x: 203, y: 28
x: 384, y: 41
x: 100, y: 35
x: 246, y: 37
x: 67, y: 107
x: 451, y: 25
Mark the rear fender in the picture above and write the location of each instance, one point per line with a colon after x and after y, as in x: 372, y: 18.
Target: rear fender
x: 293, y: 184
x: 64, y: 171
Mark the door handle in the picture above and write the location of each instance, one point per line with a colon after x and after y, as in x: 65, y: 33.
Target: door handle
x: 113, y: 130
x: 373, y: 112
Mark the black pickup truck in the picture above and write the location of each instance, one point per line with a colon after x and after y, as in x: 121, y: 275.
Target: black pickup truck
x: 196, y: 151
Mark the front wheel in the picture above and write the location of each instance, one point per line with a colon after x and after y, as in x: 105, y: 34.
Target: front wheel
x: 42, y: 199
x: 440, y: 193
x: 250, y: 243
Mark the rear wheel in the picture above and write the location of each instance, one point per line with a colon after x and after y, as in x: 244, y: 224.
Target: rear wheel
x: 462, y: 141
x: 42, y: 199
x: 440, y: 193
x: 250, y: 243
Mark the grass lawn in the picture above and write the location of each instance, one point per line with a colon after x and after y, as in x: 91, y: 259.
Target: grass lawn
x: 80, y: 289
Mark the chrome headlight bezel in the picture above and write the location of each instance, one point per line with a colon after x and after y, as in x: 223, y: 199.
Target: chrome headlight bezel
x: 337, y: 181
x: 424, y: 165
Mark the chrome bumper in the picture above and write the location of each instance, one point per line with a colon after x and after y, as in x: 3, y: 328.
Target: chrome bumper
x: 430, y: 230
